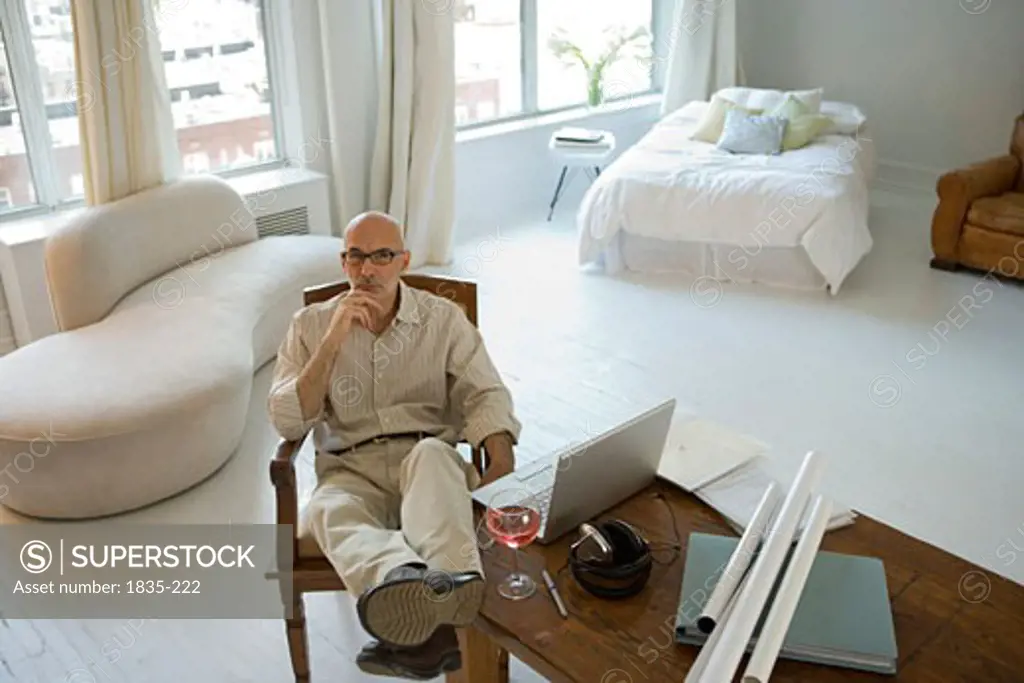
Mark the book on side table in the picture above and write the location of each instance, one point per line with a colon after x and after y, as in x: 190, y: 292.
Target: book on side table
x: 843, y: 618
x: 579, y: 135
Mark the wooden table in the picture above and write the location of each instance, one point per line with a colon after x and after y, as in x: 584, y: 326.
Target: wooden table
x: 954, y: 621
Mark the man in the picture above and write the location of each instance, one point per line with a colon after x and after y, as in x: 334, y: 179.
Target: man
x: 389, y: 378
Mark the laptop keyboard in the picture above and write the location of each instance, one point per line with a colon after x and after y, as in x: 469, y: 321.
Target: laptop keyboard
x: 541, y: 485
x: 544, y: 502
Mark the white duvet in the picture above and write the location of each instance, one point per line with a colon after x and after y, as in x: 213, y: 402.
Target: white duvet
x: 670, y: 187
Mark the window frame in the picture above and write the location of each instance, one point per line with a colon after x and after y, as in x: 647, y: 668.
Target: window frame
x: 661, y: 11
x: 275, y: 19
x: 27, y: 88
x: 31, y: 103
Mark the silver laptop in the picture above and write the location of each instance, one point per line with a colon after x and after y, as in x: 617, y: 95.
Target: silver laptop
x: 583, y: 480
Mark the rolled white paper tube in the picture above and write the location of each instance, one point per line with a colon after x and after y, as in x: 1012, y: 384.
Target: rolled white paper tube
x: 773, y: 633
x: 740, y: 626
x: 740, y: 560
x: 696, y: 671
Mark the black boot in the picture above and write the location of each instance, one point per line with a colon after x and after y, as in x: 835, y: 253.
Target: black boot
x: 440, y: 654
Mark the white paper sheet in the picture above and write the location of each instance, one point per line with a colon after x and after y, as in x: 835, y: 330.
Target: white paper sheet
x: 736, y: 495
x: 698, y: 451
x: 740, y: 560
x: 738, y: 629
x: 773, y: 633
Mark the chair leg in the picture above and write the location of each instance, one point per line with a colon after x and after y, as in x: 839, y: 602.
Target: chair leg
x: 298, y: 643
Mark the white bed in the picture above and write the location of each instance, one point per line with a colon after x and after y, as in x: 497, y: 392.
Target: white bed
x: 669, y: 203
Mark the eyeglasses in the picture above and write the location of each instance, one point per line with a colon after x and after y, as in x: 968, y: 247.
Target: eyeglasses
x: 379, y: 257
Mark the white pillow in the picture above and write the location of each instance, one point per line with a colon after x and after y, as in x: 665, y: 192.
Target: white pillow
x: 847, y: 119
x: 712, y: 122
x: 765, y: 99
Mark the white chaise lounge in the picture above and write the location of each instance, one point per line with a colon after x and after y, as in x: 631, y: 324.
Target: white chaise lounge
x: 167, y: 303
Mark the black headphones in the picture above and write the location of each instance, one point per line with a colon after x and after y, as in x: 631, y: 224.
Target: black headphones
x: 610, y: 560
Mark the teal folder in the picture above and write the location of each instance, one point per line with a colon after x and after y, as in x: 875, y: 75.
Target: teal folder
x: 843, y: 618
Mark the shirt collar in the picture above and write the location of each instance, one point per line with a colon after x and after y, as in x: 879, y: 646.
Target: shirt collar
x: 408, y: 309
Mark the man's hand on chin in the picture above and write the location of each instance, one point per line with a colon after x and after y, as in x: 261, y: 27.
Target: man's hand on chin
x: 500, y: 458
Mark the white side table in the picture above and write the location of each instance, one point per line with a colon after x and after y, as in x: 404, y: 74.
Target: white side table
x: 574, y: 157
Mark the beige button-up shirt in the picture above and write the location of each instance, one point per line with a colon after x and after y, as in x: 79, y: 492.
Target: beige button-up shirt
x: 427, y: 372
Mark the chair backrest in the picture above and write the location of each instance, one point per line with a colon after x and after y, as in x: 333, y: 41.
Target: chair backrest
x: 109, y: 250
x: 461, y: 292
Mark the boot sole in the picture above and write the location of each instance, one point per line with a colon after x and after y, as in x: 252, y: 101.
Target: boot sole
x: 406, y: 613
x: 449, y: 663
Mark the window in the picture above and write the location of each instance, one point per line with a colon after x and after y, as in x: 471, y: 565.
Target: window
x: 596, y: 29
x: 15, y: 173
x: 488, y: 49
x: 263, y: 150
x: 520, y: 57
x: 215, y: 62
x: 195, y: 162
x: 54, y: 48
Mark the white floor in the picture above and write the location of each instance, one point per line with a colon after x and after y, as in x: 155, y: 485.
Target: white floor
x: 914, y: 396
x: 921, y: 431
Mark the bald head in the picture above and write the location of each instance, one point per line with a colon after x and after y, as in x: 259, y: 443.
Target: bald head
x: 376, y: 255
x: 373, y: 230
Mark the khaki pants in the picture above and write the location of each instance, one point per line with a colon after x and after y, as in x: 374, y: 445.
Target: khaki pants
x: 384, y: 505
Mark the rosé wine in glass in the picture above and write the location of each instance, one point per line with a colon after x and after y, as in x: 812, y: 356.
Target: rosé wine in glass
x: 513, y: 519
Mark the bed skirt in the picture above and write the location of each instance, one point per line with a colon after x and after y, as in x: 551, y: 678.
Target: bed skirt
x: 776, y: 266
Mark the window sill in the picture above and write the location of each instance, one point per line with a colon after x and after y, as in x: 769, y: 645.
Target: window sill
x: 33, y: 226
x: 563, y: 117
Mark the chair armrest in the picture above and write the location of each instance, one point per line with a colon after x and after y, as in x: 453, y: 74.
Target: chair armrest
x: 957, y: 189
x: 478, y: 460
x: 282, y: 475
x: 282, y: 465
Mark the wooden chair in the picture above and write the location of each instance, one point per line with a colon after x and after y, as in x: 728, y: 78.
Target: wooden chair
x: 311, y: 571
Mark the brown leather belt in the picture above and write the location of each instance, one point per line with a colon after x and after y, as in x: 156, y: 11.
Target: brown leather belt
x: 383, y: 438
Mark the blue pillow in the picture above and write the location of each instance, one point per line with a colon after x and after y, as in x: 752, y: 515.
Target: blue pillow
x: 752, y: 134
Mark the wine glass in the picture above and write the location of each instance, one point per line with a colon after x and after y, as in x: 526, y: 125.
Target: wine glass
x: 513, y: 519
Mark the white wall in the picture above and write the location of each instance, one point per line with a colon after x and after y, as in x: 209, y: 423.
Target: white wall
x: 508, y: 180
x: 940, y: 86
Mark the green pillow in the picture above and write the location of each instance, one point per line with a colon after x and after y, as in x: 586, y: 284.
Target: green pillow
x: 803, y: 126
x: 802, y: 130
x: 790, y: 108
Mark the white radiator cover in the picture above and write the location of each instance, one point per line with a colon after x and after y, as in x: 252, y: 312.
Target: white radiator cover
x: 289, y: 201
x: 286, y: 201
x: 287, y: 222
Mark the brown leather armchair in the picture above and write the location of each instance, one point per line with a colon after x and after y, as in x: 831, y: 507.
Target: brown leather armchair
x: 979, y: 222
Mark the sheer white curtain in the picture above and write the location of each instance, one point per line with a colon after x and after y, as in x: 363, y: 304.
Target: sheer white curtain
x: 124, y: 109
x: 389, y: 74
x: 703, y: 54
x: 413, y: 172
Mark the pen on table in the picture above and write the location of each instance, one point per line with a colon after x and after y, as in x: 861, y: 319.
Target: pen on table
x: 553, y: 589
